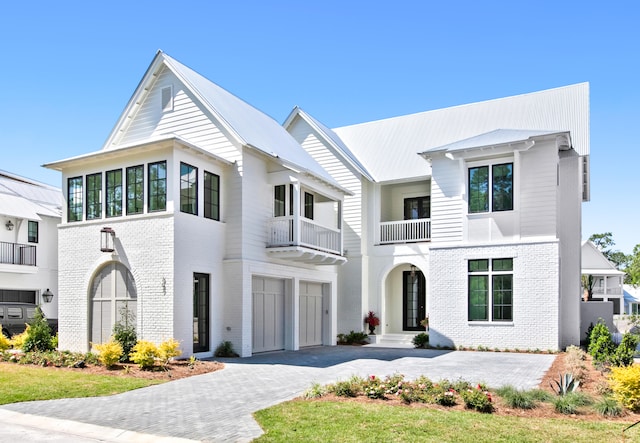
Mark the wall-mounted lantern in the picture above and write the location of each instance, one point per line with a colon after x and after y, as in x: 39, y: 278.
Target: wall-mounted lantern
x: 107, y: 235
x: 9, y: 226
x: 47, y: 296
x: 413, y: 271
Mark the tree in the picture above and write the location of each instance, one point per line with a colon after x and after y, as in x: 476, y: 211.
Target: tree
x: 604, y: 242
x: 633, y: 269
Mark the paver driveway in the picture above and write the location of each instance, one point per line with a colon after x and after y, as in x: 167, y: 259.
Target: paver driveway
x: 218, y: 406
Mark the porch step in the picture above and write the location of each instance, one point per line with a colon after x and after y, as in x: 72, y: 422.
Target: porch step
x: 393, y: 340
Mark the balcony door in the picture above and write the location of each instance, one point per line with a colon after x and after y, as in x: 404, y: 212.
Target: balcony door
x: 417, y: 207
x: 413, y: 301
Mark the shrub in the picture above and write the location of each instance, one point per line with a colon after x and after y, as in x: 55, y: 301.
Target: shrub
x: 167, y: 350
x: 517, y: 399
x: 17, y: 341
x: 109, y: 353
x: 38, y: 334
x: 5, y: 343
x: 601, y: 345
x: 569, y: 404
x: 625, y: 383
x: 565, y: 385
x: 374, y: 388
x: 315, y: 391
x: 144, y: 354
x: 124, y: 332
x: 421, y: 340
x: 623, y: 355
x: 608, y: 407
x: 575, y: 361
x: 477, y: 399
x: 353, y: 338
x: 443, y: 397
x: 349, y: 388
x: 225, y: 349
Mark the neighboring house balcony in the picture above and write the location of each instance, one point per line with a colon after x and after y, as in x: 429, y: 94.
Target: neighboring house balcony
x: 608, y: 291
x: 405, y: 213
x: 17, y: 257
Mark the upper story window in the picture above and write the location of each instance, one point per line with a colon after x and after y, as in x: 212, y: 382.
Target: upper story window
x: 114, y: 193
x: 32, y: 234
x: 491, y: 187
x: 135, y: 189
x: 74, y: 199
x: 490, y: 296
x: 188, y: 189
x: 211, y: 196
x: 94, y: 196
x: 417, y: 207
x: 308, y: 205
x: 158, y: 186
x: 279, y: 199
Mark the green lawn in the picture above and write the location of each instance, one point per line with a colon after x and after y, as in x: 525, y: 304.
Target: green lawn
x: 26, y: 383
x: 327, y: 421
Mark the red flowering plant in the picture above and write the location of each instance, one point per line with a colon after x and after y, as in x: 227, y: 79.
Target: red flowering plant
x: 372, y: 320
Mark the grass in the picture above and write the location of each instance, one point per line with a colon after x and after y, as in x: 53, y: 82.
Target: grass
x: 27, y: 383
x: 311, y: 421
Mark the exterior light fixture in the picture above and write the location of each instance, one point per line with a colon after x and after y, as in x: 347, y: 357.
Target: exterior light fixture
x: 107, y: 235
x: 9, y: 226
x: 413, y: 271
x: 47, y: 296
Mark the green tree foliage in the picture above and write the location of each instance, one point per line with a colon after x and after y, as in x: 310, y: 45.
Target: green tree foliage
x: 633, y: 269
x: 601, y: 345
x: 604, y: 242
x: 38, y: 334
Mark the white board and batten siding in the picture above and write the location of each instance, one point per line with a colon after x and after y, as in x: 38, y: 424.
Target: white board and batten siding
x: 187, y: 119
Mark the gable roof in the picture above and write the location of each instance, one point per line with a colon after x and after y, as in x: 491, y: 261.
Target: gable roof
x: 594, y: 262
x: 388, y: 148
x: 28, y: 199
x: 247, y: 125
x: 330, y: 137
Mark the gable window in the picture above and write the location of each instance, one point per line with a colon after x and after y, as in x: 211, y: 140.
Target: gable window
x: 33, y: 231
x: 114, y: 193
x: 308, y: 205
x: 74, y: 199
x: 94, y: 196
x: 416, y: 208
x: 211, y: 196
x: 167, y: 99
x: 491, y: 187
x: 135, y: 189
x: 490, y: 289
x: 158, y: 186
x: 188, y: 189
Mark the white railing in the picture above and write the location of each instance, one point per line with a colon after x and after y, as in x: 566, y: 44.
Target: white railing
x: 284, y: 231
x: 610, y: 291
x: 403, y: 231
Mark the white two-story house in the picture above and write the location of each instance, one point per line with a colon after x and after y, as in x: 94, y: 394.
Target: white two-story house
x: 470, y: 216
x: 200, y: 219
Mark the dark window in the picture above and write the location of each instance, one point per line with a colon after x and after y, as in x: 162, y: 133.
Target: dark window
x: 94, y: 196
x: 74, y: 199
x: 416, y: 208
x: 491, y: 286
x: 211, y: 196
x: 501, y: 182
x: 135, y: 190
x: 188, y: 189
x: 114, y: 193
x: 33, y: 232
x: 308, y: 205
x: 279, y: 199
x: 157, y: 186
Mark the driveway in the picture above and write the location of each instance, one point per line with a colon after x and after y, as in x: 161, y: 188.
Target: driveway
x: 217, y: 407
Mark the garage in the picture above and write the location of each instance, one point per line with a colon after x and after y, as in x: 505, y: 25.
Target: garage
x: 268, y: 314
x: 310, y: 314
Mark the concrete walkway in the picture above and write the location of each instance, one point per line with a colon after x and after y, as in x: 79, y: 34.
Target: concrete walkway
x: 217, y: 407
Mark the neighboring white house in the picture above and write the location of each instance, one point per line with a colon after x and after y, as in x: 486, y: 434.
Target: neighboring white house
x: 29, y: 214
x: 208, y: 221
x: 631, y: 300
x: 601, y: 280
x: 202, y: 218
x: 480, y: 232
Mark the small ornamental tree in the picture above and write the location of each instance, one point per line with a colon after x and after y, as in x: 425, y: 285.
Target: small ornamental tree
x: 38, y: 334
x: 601, y: 345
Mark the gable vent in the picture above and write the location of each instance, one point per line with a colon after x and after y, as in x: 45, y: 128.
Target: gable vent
x: 167, y: 99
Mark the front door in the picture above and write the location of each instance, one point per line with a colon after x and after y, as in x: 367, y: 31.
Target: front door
x: 413, y: 301
x: 200, y: 312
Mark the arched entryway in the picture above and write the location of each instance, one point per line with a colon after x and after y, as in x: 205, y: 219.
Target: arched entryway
x: 113, y: 299
x: 405, y: 300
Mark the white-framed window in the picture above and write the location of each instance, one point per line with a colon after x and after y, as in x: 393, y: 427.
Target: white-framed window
x: 634, y: 309
x: 490, y: 290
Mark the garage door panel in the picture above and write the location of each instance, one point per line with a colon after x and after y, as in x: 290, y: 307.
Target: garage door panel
x: 268, y: 314
x: 310, y: 314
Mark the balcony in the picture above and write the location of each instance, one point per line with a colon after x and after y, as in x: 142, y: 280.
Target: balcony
x: 405, y: 231
x: 17, y: 254
x: 608, y: 291
x: 304, y: 240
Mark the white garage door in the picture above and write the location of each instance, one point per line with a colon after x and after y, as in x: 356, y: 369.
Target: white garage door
x: 268, y: 314
x: 310, y: 314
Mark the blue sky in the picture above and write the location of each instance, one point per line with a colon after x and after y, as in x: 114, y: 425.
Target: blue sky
x: 69, y: 68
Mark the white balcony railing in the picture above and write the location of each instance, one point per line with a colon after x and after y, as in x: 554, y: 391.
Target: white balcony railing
x: 404, y: 231
x: 610, y: 291
x: 284, y: 231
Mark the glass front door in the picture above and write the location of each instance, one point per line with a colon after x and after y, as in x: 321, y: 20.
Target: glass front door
x: 413, y: 301
x: 200, y: 312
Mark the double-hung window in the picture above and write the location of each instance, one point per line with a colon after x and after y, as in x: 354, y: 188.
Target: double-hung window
x: 491, y: 187
x: 188, y: 189
x: 74, y: 199
x: 94, y: 196
x: 157, y: 186
x: 113, y: 187
x: 211, y: 196
x: 135, y: 189
x: 490, y: 294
